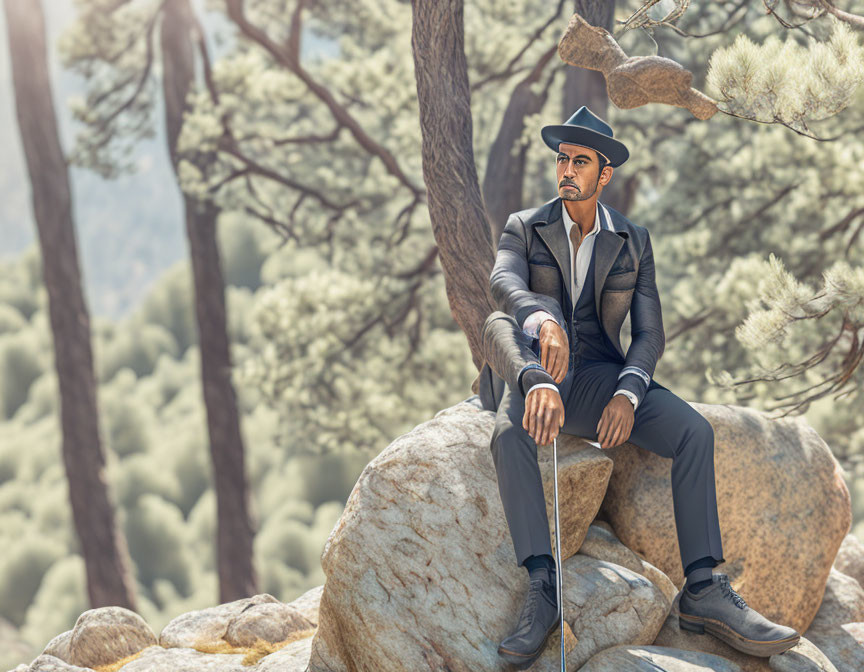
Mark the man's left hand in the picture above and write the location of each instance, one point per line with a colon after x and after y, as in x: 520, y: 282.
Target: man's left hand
x: 616, y: 422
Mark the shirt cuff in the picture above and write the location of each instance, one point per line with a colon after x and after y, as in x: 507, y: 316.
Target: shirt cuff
x: 632, y: 397
x: 534, y: 321
x: 639, y: 372
x: 551, y: 386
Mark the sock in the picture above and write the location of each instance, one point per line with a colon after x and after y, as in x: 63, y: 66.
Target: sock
x: 699, y: 573
x: 536, y: 563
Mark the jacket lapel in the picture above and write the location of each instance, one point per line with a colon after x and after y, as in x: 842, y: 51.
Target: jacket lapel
x: 606, y: 247
x: 553, y: 233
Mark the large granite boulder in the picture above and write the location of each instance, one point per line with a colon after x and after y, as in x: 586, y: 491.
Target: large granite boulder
x: 47, y: 663
x: 240, y: 624
x: 606, y: 605
x: 105, y: 635
x: 838, y: 629
x: 779, y: 537
x: 421, y: 571
x: 258, y: 633
x: 850, y: 558
x: 630, y: 658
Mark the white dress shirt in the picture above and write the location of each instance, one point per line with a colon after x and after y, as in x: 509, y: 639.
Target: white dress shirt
x: 535, y: 320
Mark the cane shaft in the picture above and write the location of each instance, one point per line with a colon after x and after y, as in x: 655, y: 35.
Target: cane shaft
x: 558, y: 551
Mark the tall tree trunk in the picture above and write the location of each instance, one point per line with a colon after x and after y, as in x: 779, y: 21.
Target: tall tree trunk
x: 106, y: 555
x: 237, y: 578
x: 459, y: 222
x: 505, y: 169
x: 588, y: 87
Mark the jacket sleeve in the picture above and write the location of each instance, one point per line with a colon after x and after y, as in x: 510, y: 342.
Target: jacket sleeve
x: 508, y: 352
x: 646, y: 325
x: 509, y: 278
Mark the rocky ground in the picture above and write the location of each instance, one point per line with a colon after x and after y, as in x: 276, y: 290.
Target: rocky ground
x: 421, y: 572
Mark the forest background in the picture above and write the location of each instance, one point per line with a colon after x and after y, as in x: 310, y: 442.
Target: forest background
x: 341, y: 334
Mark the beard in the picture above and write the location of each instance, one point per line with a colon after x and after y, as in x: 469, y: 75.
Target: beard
x: 577, y: 194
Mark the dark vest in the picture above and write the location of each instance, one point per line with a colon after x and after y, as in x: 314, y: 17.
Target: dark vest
x: 588, y: 341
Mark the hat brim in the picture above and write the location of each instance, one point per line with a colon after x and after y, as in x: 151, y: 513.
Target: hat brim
x: 614, y: 150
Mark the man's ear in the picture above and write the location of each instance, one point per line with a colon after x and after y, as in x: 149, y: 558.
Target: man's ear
x: 611, y: 171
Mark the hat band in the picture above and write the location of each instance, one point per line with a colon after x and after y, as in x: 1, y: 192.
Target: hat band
x: 594, y: 148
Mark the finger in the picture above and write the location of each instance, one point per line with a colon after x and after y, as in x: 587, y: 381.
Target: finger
x: 627, y: 431
x: 557, y: 422
x: 619, y: 435
x: 549, y: 425
x: 531, y: 408
x: 544, y: 355
x: 553, y: 363
x: 616, y: 434
x: 535, y: 421
x: 610, y: 429
x: 541, y: 428
x: 601, y: 428
x: 562, y: 365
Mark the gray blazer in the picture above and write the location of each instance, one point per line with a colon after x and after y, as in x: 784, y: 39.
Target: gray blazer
x: 532, y: 272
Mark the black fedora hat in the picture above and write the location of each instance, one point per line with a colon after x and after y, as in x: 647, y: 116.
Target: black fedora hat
x: 587, y: 129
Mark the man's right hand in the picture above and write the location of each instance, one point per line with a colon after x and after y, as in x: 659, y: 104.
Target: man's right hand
x: 554, y: 350
x: 544, y: 415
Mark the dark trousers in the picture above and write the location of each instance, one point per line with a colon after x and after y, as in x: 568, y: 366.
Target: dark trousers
x: 663, y: 423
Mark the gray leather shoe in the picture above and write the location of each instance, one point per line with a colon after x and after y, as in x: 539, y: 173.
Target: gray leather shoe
x: 539, y: 617
x: 718, y: 609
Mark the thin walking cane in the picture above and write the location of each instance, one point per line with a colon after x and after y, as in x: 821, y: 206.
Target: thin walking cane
x: 558, y: 552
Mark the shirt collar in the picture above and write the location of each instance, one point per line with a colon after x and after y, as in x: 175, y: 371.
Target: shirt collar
x: 568, y: 222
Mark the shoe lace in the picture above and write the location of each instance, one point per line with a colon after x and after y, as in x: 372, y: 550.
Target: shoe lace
x: 529, y: 608
x: 729, y: 592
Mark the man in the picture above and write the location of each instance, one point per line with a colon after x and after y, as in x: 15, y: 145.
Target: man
x: 565, y: 276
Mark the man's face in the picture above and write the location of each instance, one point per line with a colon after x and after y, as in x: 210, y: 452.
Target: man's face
x: 578, y: 171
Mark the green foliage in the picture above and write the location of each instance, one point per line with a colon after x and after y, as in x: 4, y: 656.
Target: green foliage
x: 787, y: 82
x: 60, y: 600
x: 241, y: 244
x: 155, y: 533
x: 325, y: 478
x: 138, y: 349
x: 20, y: 365
x: 108, y: 45
x: 11, y: 319
x: 359, y: 392
x: 170, y: 305
x: 284, y: 541
x: 21, y: 283
x: 128, y: 426
x: 22, y: 567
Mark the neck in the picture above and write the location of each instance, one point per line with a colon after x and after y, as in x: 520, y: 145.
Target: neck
x: 583, y: 213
